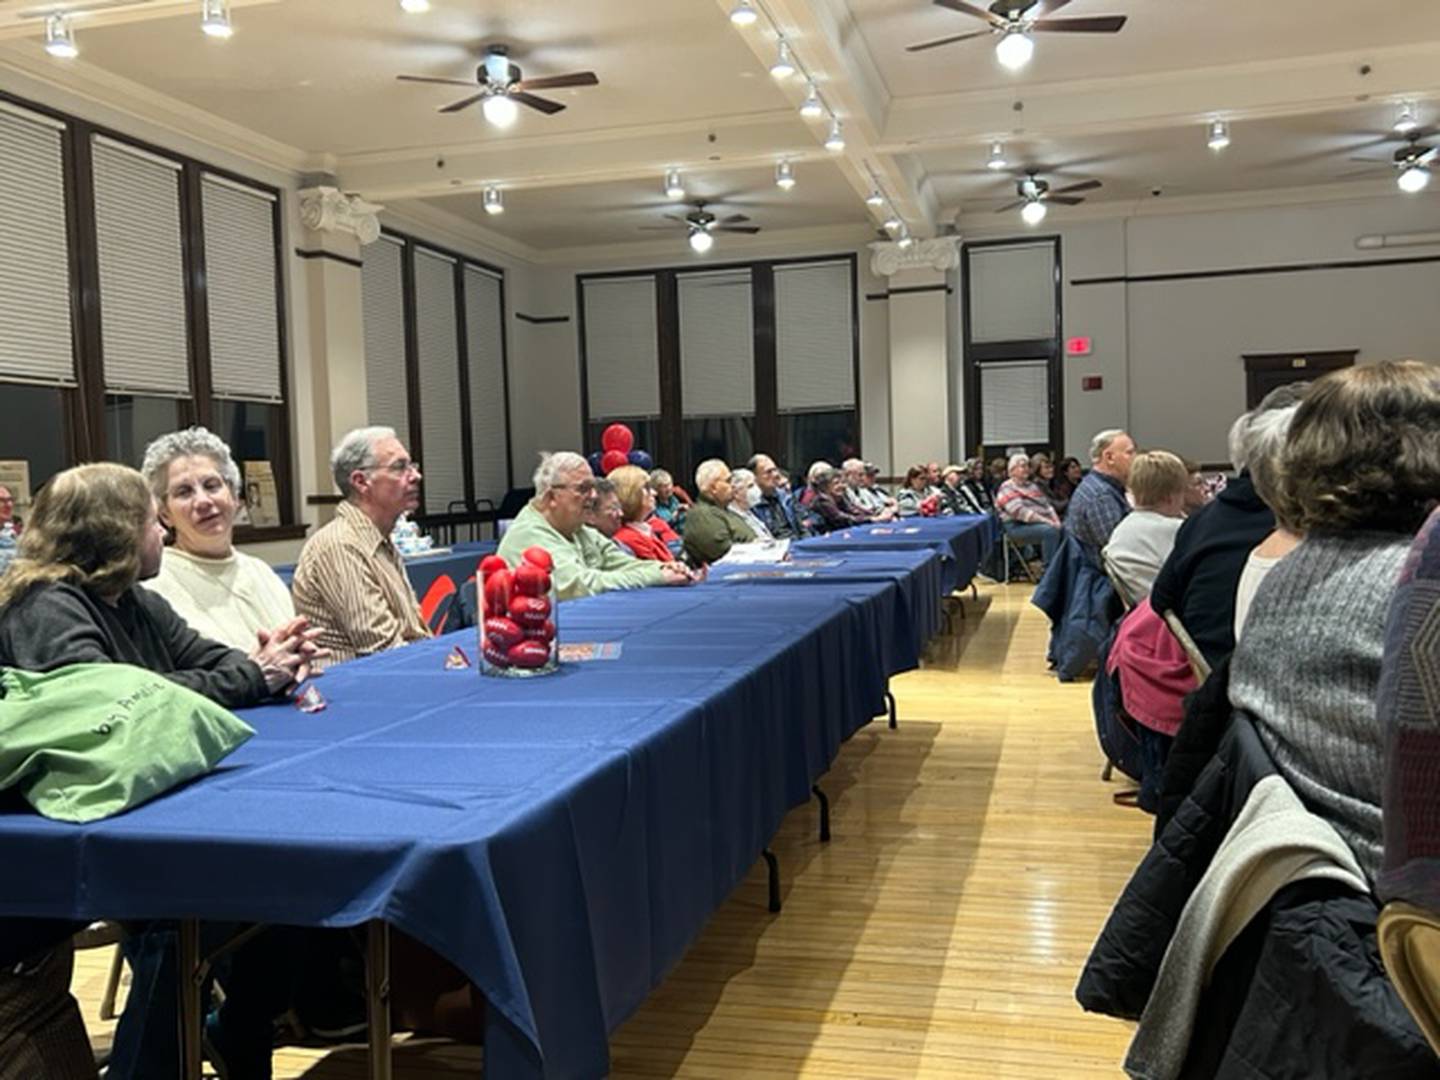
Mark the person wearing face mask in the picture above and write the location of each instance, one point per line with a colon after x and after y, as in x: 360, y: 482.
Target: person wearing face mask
x: 743, y: 497
x: 222, y: 593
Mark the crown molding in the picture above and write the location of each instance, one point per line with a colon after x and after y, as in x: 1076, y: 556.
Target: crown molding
x: 772, y: 244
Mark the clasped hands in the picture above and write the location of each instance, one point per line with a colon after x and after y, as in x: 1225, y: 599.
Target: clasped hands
x: 286, y: 655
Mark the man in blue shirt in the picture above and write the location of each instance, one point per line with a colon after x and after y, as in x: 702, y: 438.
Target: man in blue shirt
x: 776, y: 508
x: 1099, y: 503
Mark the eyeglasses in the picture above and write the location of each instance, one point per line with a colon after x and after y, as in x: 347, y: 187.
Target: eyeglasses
x: 585, y: 487
x: 400, y: 466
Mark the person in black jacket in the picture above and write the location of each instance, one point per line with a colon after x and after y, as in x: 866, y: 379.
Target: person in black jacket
x: 71, y: 598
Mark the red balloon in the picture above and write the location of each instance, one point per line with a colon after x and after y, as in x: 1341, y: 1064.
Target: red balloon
x: 617, y: 437
x: 613, y: 460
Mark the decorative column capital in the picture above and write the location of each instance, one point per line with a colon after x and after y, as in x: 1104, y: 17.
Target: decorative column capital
x: 888, y: 258
x: 328, y: 209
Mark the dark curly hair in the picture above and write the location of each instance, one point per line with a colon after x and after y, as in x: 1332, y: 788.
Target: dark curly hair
x: 1363, y: 451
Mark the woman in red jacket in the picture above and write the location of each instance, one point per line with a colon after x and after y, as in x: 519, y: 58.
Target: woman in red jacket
x: 644, y: 533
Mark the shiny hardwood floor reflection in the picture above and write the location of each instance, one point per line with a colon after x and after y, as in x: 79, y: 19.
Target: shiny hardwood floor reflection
x: 939, y: 934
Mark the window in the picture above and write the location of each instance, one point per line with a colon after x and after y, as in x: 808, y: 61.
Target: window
x: 140, y: 291
x: 815, y: 362
x: 485, y: 340
x: 383, y: 301
x: 438, y: 362
x: 621, y: 347
x: 717, y: 366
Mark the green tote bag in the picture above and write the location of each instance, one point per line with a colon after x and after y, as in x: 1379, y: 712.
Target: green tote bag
x: 90, y: 740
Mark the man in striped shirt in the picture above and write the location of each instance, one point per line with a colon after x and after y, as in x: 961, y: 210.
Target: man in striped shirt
x: 350, y: 580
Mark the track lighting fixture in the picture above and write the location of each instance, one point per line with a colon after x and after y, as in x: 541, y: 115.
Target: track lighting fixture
x: 414, y: 7
x: 674, y: 186
x: 812, y: 108
x: 1218, y: 135
x: 784, y: 176
x: 742, y: 14
x: 215, y: 18
x: 835, y: 141
x: 494, y: 201
x: 997, y: 159
x: 783, y: 67
x: 60, y: 38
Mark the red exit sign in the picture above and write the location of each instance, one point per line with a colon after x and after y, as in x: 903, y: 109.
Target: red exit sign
x: 1078, y: 346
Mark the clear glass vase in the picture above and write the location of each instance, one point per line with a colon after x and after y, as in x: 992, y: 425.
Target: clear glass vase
x: 517, y: 631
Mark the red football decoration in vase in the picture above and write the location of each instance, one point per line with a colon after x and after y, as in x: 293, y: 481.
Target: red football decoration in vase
x: 503, y: 632
x: 490, y: 563
x: 497, y: 593
x: 544, y: 632
x: 529, y: 610
x: 530, y: 580
x: 498, y: 657
x: 538, y: 556
x: 529, y: 654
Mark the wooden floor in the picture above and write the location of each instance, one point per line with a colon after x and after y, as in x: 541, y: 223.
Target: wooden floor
x: 939, y: 934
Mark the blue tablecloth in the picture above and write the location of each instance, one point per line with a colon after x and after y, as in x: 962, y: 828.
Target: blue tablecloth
x: 963, y: 539
x: 423, y: 570
x: 562, y: 840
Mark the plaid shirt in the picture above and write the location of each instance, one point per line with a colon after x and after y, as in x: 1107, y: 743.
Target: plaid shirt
x: 1098, y: 505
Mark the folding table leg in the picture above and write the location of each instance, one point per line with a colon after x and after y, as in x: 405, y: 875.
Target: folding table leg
x: 192, y: 1019
x: 824, y: 813
x: 774, y: 867
x: 377, y: 997
x: 890, y: 703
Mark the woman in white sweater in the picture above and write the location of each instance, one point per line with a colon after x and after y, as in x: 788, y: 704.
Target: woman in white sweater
x: 222, y: 593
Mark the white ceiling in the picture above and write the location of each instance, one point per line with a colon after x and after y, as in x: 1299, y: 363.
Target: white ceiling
x: 311, y: 83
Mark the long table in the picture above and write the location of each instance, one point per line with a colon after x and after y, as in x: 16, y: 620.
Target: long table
x: 562, y: 840
x: 458, y: 563
x: 963, y: 540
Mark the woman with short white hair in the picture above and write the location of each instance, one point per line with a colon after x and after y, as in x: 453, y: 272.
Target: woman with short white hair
x: 743, y: 495
x: 224, y: 594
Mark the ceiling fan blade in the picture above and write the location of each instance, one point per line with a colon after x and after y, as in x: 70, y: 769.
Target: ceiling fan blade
x: 656, y: 228
x: 442, y: 82
x: 1049, y: 7
x: 1012, y: 206
x: 734, y: 219
x: 1095, y: 24
x: 1429, y: 156
x: 970, y: 9
x: 1083, y: 185
x: 1065, y: 200
x: 946, y: 41
x: 540, y: 104
x: 677, y: 217
x: 1373, y: 160
x: 748, y: 230
x: 559, y: 82
x: 464, y: 103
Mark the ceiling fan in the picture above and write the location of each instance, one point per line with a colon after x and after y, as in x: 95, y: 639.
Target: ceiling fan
x: 702, y: 225
x: 1411, y: 162
x: 1034, y: 193
x: 503, y: 87
x: 1015, y: 20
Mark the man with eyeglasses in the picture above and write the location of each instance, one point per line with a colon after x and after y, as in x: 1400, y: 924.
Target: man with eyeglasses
x: 586, y: 562
x: 350, y: 580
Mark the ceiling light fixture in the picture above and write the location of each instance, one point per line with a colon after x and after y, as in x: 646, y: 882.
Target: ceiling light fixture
x: 1014, y: 49
x: 784, y: 176
x: 783, y: 67
x: 1033, y: 212
x: 997, y: 160
x: 700, y: 241
x: 414, y: 7
x: 215, y: 18
x: 893, y: 224
x: 59, y: 38
x: 674, y: 186
x: 742, y: 14
x: 905, y: 241
x: 1414, y: 179
x: 875, y: 199
x: 812, y: 107
x: 1217, y: 135
x: 835, y: 141
x: 500, y: 110
x: 494, y: 201
x: 1407, y: 118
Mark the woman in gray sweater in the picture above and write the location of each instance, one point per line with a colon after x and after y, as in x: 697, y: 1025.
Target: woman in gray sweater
x: 1360, y: 470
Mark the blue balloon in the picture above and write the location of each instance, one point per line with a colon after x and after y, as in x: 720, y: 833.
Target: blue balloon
x: 641, y: 459
x: 594, y: 460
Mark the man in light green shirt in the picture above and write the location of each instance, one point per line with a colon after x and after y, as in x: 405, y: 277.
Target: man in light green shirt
x: 586, y: 562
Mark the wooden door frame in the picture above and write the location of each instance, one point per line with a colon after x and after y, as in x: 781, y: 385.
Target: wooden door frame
x: 1319, y: 362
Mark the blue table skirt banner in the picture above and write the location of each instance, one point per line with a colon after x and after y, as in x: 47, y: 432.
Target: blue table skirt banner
x: 562, y: 839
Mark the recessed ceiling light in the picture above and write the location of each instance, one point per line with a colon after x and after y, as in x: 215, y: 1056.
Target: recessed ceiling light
x: 1014, y: 49
x: 60, y: 38
x: 997, y: 160
x: 674, y: 186
x: 783, y: 67
x: 784, y: 176
x: 700, y: 240
x: 875, y: 199
x: 500, y: 110
x: 1217, y: 135
x: 835, y: 141
x: 215, y: 18
x: 1033, y: 212
x: 812, y: 107
x: 414, y: 7
x: 494, y: 201
x: 742, y: 14
x: 1407, y: 118
x: 1414, y: 179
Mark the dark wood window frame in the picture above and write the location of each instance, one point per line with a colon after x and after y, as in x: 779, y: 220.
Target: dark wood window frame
x: 768, y: 429
x: 412, y: 372
x: 84, y: 404
x: 1049, y: 348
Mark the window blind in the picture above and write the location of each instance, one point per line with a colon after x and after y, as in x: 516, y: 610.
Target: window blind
x: 484, y: 332
x: 383, y: 303
x: 1015, y: 402
x: 439, y: 364
x: 240, y: 275
x: 142, y: 272
x: 717, y: 344
x: 814, y: 338
x: 622, y: 358
x: 1012, y: 293
x: 35, y: 332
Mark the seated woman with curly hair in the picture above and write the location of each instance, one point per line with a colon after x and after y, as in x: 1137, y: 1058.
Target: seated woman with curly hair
x: 1359, y: 472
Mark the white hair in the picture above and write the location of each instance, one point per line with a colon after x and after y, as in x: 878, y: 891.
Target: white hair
x: 1013, y: 459
x: 816, y: 468
x: 355, y: 451
x: 191, y: 442
x: 553, y: 466
x: 1253, y: 431
x: 1101, y: 442
x: 710, y: 470
x: 853, y: 465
